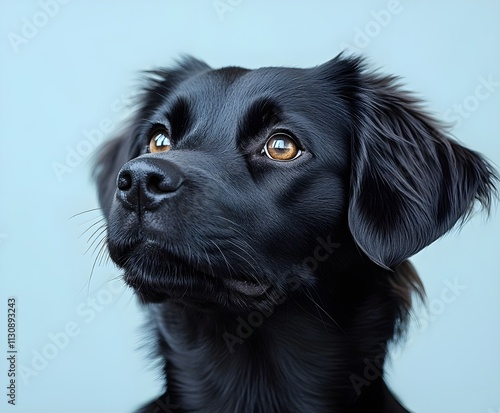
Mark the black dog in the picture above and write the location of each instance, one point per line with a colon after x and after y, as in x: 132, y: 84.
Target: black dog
x: 266, y: 218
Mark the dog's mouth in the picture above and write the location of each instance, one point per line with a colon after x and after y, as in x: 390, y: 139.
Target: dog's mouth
x: 246, y: 287
x: 157, y: 275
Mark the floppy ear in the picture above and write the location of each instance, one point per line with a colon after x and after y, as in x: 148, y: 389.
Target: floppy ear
x: 110, y: 158
x: 128, y: 144
x: 410, y: 183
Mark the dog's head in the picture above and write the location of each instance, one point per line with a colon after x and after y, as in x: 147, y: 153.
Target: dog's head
x: 232, y: 183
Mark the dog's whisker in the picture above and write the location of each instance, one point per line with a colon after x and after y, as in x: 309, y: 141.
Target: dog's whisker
x: 102, y: 253
x: 90, y: 227
x: 239, y: 247
x: 245, y: 247
x: 102, y: 230
x: 312, y: 314
x: 91, y: 274
x: 101, y: 245
x: 105, y: 258
x: 84, y: 212
x: 116, y: 278
x: 97, y: 232
x: 243, y: 244
x: 209, y: 263
x: 318, y: 316
x: 328, y: 315
x: 252, y: 275
x: 235, y: 228
x: 184, y: 293
x: 229, y: 267
x: 93, y: 219
x: 322, y: 306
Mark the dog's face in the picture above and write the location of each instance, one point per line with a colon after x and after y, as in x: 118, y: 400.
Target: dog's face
x: 221, y: 188
x: 232, y: 182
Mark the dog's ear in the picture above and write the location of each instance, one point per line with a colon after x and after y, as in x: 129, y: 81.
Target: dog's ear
x: 110, y: 158
x: 410, y: 182
x: 127, y: 145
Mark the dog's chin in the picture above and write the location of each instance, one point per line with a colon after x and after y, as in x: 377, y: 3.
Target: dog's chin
x: 145, y: 294
x: 157, y: 276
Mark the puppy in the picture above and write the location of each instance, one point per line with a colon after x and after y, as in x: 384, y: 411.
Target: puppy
x: 265, y: 218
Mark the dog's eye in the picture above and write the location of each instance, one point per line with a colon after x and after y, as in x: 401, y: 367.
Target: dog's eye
x: 281, y: 147
x: 160, y: 142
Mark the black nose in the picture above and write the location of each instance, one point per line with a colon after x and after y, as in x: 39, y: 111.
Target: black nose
x: 144, y: 183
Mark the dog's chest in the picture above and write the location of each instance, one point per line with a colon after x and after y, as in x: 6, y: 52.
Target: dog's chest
x: 203, y: 384
x: 264, y: 373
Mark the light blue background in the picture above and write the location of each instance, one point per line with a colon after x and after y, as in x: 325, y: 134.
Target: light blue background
x: 73, y: 76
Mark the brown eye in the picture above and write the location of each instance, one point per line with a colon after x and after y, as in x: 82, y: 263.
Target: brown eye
x: 160, y: 142
x: 281, y: 147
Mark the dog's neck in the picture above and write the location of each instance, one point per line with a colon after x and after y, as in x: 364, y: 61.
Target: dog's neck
x: 303, y: 349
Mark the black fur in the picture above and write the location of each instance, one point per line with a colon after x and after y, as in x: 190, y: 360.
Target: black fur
x: 321, y: 241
